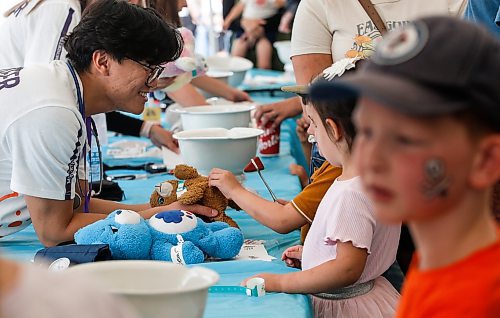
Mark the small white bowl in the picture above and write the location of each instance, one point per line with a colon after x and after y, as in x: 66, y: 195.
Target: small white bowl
x: 238, y: 65
x: 219, y: 75
x: 216, y: 116
x: 210, y: 148
x: 156, y: 289
x: 284, y: 49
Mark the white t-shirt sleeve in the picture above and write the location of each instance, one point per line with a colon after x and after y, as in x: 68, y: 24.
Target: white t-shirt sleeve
x: 352, y: 221
x: 311, y: 15
x: 44, y: 164
x: 48, y: 24
x: 457, y: 7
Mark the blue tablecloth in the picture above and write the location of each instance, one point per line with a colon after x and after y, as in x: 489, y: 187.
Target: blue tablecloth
x: 23, y: 245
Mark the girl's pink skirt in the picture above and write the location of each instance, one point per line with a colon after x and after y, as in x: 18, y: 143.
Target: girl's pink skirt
x: 380, y: 302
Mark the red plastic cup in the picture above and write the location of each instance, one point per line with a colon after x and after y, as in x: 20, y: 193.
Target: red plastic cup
x: 269, y: 141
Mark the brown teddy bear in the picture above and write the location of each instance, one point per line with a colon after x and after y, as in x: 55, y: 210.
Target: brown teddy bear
x: 197, y: 191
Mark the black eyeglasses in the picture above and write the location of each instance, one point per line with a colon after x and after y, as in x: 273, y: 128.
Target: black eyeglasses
x: 154, y: 71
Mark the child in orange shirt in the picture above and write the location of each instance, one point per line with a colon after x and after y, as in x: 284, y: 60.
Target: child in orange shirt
x: 428, y: 151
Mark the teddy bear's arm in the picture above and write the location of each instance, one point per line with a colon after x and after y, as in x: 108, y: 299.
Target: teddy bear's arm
x: 225, y: 243
x: 193, y: 194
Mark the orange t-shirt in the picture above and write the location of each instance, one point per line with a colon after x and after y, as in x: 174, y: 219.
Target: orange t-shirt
x: 307, y: 201
x: 468, y: 288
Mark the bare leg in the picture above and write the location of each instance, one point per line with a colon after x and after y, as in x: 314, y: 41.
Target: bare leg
x: 240, y: 47
x: 264, y: 52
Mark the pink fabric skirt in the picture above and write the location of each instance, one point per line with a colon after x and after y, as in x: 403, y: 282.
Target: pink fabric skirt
x: 380, y: 302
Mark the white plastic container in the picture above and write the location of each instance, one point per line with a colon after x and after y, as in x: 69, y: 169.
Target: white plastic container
x: 210, y: 148
x: 238, y: 65
x: 284, y: 49
x: 216, y: 116
x: 156, y: 289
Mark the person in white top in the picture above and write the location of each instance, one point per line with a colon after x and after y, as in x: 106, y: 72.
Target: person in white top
x: 326, y: 31
x: 264, y: 36
x: 34, y: 32
x: 28, y: 291
x: 45, y: 125
x: 347, y: 249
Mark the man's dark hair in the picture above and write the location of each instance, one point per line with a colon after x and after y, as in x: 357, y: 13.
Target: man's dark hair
x: 122, y: 30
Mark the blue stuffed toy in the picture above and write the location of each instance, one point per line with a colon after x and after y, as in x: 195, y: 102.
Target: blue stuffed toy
x: 175, y: 235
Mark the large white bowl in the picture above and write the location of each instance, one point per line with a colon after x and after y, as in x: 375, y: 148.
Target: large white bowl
x: 156, y: 289
x: 238, y: 65
x: 216, y: 116
x: 210, y: 148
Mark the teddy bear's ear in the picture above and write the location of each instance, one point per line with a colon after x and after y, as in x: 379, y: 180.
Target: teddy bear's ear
x: 185, y: 172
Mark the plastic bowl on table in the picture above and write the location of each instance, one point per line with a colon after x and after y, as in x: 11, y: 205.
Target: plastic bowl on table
x: 238, y: 65
x: 210, y: 148
x: 227, y: 116
x: 156, y: 289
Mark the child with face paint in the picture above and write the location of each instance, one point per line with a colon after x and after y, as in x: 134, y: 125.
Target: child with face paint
x: 346, y: 250
x: 428, y: 150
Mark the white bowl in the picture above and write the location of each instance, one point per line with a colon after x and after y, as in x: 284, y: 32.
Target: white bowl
x: 156, y: 289
x: 216, y: 116
x: 220, y: 75
x: 210, y: 148
x: 284, y: 49
x: 238, y: 65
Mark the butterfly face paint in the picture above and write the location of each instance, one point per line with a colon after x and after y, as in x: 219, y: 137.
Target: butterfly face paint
x: 436, y: 183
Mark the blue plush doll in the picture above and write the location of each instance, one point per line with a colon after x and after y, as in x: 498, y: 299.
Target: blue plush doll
x: 172, y: 230
x: 125, y: 231
x: 175, y: 235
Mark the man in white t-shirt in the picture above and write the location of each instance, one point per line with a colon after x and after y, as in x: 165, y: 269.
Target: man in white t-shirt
x: 34, y: 32
x: 113, y: 63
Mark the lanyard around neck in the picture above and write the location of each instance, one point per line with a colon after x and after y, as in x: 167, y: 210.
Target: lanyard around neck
x: 88, y: 123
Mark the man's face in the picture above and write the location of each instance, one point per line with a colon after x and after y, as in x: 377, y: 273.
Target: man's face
x: 128, y: 89
x: 412, y: 168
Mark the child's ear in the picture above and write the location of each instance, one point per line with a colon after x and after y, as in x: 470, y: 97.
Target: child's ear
x: 334, y: 128
x: 486, y: 165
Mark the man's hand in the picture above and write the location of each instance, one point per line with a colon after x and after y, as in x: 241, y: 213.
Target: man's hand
x: 277, y: 112
x: 301, y: 129
x: 161, y: 137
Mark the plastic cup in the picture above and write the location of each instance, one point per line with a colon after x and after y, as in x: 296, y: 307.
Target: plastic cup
x: 269, y: 141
